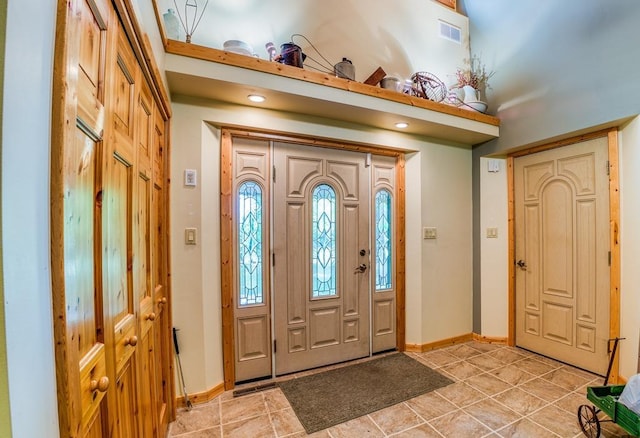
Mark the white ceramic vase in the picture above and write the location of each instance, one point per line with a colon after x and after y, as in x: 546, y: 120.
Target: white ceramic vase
x: 470, y: 94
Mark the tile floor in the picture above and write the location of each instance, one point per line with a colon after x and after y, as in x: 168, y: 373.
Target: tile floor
x: 499, y: 391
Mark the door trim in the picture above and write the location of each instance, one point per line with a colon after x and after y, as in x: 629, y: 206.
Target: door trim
x: 614, y: 227
x: 227, y: 262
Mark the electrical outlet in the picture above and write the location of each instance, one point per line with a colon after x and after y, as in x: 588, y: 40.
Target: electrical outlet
x: 429, y: 233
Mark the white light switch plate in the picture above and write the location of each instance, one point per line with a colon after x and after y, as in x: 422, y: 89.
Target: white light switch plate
x: 492, y: 233
x: 190, y: 236
x: 429, y: 233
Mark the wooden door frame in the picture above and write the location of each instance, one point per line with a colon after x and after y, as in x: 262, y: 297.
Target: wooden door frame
x: 227, y: 260
x: 614, y: 228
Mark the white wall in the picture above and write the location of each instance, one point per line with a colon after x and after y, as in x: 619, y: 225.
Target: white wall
x: 494, y: 251
x: 196, y: 270
x: 446, y: 268
x: 401, y: 37
x: 25, y: 217
x: 630, y: 246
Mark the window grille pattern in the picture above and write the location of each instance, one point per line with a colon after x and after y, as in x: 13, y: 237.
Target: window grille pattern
x: 323, y: 237
x: 250, y: 240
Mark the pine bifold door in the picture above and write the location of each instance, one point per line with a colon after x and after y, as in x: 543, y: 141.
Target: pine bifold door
x: 313, y: 250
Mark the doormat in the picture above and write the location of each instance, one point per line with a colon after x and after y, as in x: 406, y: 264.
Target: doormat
x: 332, y: 397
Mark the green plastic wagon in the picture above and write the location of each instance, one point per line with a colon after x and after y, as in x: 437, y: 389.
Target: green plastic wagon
x: 605, y: 399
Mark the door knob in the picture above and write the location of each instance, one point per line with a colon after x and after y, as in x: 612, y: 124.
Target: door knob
x: 522, y: 264
x: 100, y: 385
x: 360, y: 269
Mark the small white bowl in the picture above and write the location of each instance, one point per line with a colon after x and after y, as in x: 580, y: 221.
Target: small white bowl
x: 476, y: 105
x: 237, y: 46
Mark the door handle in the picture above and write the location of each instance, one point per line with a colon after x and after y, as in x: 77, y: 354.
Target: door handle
x: 360, y: 269
x: 522, y: 264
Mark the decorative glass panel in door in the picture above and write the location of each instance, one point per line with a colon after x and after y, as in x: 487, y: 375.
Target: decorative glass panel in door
x: 323, y: 238
x: 250, y: 243
x: 383, y: 212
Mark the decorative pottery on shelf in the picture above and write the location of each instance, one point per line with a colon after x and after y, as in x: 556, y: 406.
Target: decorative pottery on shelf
x: 472, y: 100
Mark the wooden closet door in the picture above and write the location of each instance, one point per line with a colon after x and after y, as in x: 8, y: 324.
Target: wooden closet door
x: 76, y: 226
x: 108, y: 137
x: 162, y: 348
x: 142, y: 260
x: 120, y: 180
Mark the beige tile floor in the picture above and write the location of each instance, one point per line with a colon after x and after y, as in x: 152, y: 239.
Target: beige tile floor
x: 499, y: 391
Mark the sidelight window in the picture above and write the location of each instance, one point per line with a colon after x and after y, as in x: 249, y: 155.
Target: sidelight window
x: 323, y: 237
x: 383, y: 239
x: 250, y: 243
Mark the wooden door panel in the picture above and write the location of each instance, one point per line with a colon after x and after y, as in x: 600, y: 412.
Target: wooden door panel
x: 298, y: 269
x: 123, y: 89
x: 118, y: 236
x: 94, y: 429
x: 145, y: 389
x: 83, y: 306
x: 562, y: 231
x: 91, y: 68
x: 127, y: 406
x: 557, y: 250
x: 93, y: 383
x: 142, y: 277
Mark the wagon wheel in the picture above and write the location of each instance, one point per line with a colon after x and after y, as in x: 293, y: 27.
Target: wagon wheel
x: 589, y: 422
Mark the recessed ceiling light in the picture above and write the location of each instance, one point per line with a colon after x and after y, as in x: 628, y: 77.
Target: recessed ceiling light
x: 256, y: 98
x: 401, y: 125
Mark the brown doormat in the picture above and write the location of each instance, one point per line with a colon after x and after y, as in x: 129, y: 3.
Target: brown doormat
x: 332, y: 397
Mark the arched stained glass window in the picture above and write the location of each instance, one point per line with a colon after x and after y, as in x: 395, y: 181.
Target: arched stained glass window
x: 250, y: 238
x: 383, y: 214
x: 323, y: 236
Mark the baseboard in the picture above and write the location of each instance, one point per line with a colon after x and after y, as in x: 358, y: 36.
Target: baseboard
x: 201, y: 397
x: 421, y: 348
x: 490, y: 339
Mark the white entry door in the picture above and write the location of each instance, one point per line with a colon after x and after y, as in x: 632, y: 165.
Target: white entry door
x: 562, y: 253
x: 322, y: 257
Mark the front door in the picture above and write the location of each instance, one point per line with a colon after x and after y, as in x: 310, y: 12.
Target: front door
x: 322, y: 256
x: 562, y: 253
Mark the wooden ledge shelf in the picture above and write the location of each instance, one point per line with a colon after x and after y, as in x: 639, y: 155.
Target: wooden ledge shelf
x: 320, y: 94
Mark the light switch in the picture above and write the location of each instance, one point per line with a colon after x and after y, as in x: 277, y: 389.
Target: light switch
x: 190, y: 236
x: 429, y: 233
x: 492, y: 233
x: 190, y: 177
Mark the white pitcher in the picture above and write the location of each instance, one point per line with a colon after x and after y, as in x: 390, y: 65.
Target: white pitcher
x: 470, y: 94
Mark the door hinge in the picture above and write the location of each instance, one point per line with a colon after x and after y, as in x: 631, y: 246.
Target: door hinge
x: 273, y: 259
x: 274, y: 346
x: 609, y: 258
x: 608, y: 168
x: 274, y: 174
